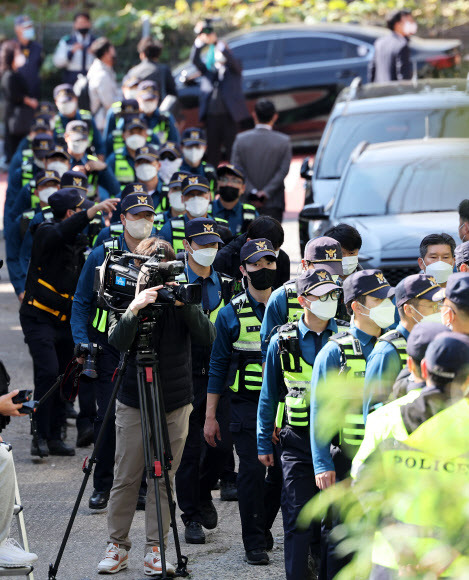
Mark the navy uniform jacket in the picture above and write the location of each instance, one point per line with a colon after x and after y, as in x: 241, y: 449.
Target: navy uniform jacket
x: 30, y: 70
x: 13, y: 189
x: 234, y: 216
x: 17, y: 159
x: 391, y: 61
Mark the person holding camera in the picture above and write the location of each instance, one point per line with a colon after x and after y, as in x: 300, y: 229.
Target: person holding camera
x: 176, y: 328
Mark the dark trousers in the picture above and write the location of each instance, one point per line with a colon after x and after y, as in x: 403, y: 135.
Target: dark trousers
x: 87, y: 401
x: 221, y: 132
x: 274, y: 212
x: 258, y: 503
x: 202, y: 465
x: 298, y: 488
x: 51, y: 347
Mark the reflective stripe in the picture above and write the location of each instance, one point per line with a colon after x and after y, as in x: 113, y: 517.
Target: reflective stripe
x: 40, y: 306
x: 294, y: 310
x: 399, y: 343
x: 50, y: 287
x: 178, y: 233
x: 123, y: 171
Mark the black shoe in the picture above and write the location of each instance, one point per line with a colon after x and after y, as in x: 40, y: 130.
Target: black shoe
x: 141, y: 502
x: 257, y: 557
x: 99, y: 499
x: 85, y: 437
x: 70, y: 412
x: 194, y: 533
x: 58, y: 447
x: 39, y: 447
x: 269, y: 540
x: 209, y: 514
x: 216, y: 486
x: 228, y: 491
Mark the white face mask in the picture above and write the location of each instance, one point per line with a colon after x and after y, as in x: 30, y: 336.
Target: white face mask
x: 20, y: 60
x: 45, y: 193
x: 145, y: 171
x: 139, y: 229
x: 175, y: 201
x: 29, y: 33
x: 441, y: 271
x: 134, y: 142
x: 323, y: 310
x: 168, y: 168
x: 68, y: 108
x: 409, y: 28
x: 193, y: 155
x: 58, y: 166
x: 79, y: 147
x: 148, y: 107
x: 204, y: 257
x: 383, y: 314
x: 435, y: 317
x: 349, y: 264
x: 197, y: 206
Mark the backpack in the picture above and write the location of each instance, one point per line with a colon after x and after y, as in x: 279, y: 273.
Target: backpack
x: 81, y: 90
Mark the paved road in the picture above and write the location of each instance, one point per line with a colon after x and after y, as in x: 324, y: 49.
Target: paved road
x: 49, y: 487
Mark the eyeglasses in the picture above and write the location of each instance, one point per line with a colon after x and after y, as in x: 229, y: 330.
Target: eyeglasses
x: 334, y: 295
x: 230, y: 181
x: 168, y: 156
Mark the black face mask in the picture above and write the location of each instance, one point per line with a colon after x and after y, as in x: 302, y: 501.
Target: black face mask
x: 228, y: 193
x: 263, y: 279
x: 83, y: 31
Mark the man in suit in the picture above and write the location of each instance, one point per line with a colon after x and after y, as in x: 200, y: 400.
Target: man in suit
x: 391, y: 61
x: 221, y: 102
x: 264, y: 155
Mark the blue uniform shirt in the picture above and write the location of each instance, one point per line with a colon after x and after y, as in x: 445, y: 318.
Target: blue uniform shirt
x: 154, y: 120
x: 228, y: 329
x: 13, y: 189
x: 276, y: 314
x: 211, y: 296
x: 234, y: 216
x: 328, y: 361
x: 382, y: 368
x: 272, y: 383
x: 17, y: 263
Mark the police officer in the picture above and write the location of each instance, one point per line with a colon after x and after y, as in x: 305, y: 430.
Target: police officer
x: 32, y: 51
x: 24, y: 152
x: 194, y: 146
x: 56, y: 261
x: 176, y: 205
x: 231, y: 186
x: 101, y: 179
x: 89, y: 324
x: 420, y: 449
x: 455, y: 308
x: 414, y: 303
x: 162, y: 124
x: 350, y: 242
x: 147, y: 166
x: 236, y: 362
x: 117, y: 114
x: 283, y: 306
x: 170, y: 160
x: 67, y: 105
x: 284, y: 402
x: 200, y: 468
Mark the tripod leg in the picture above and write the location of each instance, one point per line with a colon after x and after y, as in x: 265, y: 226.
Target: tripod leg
x: 88, y: 467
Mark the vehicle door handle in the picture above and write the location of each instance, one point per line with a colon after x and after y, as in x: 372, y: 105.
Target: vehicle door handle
x: 255, y: 84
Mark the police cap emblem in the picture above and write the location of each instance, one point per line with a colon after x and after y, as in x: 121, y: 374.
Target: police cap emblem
x: 142, y: 199
x: 380, y: 277
x: 193, y: 180
x: 331, y: 253
x: 138, y: 187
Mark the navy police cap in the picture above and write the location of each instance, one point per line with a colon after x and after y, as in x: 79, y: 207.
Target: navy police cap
x: 202, y: 231
x: 416, y: 286
x: 256, y: 249
x: 366, y: 283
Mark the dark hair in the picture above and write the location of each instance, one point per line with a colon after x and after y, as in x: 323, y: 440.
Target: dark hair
x: 151, y: 48
x: 100, y: 46
x: 395, y: 17
x: 81, y: 15
x: 417, y: 372
x: 360, y: 299
x: 267, y: 227
x: 463, y: 210
x: 265, y: 110
x: 347, y: 236
x: 7, y: 55
x: 436, y: 239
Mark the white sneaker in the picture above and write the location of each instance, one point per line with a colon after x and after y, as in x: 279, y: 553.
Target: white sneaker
x: 152, y: 564
x: 12, y: 555
x: 115, y: 559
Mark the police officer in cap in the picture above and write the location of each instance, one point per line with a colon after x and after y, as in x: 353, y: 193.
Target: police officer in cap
x: 24, y: 152
x: 147, y: 166
x: 455, y: 308
x: 56, y: 261
x: 176, y: 205
x: 194, y: 146
x: 161, y: 124
x: 116, y: 117
x: 170, y: 160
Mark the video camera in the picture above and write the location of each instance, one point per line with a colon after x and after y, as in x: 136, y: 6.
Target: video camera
x: 119, y: 280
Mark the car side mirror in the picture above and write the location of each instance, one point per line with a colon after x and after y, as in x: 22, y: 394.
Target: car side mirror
x: 313, y: 211
x: 306, y: 171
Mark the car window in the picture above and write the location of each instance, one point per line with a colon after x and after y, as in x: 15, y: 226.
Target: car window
x: 347, y: 132
x: 307, y: 49
x: 253, y: 54
x: 419, y: 185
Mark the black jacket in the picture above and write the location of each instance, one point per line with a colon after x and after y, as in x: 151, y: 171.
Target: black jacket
x: 172, y: 335
x: 227, y: 261
x: 430, y: 402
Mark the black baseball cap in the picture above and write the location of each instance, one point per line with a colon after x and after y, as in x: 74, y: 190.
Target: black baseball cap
x: 366, y: 283
x: 134, y: 123
x: 68, y: 198
x: 47, y: 176
x: 58, y: 150
x: 40, y: 123
x: 177, y: 178
x: 193, y: 136
x: 23, y: 20
x: 316, y: 282
x: 256, y: 249
x: 195, y: 183
x: 170, y: 147
x: 461, y: 254
x: 148, y: 90
x: 130, y: 82
x: 448, y: 354
x: 75, y: 180
x: 63, y: 93
x: 202, y: 231
x: 45, y: 108
x: 129, y: 107
x: 134, y: 187
x: 42, y: 144
x: 77, y: 126
x: 421, y: 336
x: 416, y: 286
x: 229, y: 168
x: 137, y: 202
x: 457, y: 290
x: 148, y: 152
x: 326, y: 253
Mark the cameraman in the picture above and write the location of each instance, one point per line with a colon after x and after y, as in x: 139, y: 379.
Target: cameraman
x: 173, y: 332
x: 12, y: 554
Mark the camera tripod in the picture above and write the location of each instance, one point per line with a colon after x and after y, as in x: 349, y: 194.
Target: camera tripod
x: 156, y: 444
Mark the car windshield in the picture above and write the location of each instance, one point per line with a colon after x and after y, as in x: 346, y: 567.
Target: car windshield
x: 419, y: 185
x: 347, y: 132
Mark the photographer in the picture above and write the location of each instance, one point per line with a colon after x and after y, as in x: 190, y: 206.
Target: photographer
x: 172, y: 334
x: 12, y: 554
